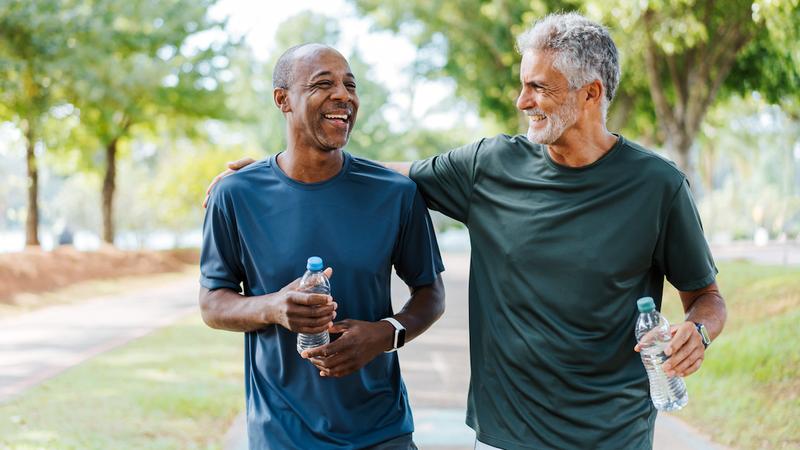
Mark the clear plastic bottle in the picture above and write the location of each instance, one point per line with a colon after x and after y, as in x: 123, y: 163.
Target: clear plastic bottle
x: 652, y: 333
x: 314, y: 280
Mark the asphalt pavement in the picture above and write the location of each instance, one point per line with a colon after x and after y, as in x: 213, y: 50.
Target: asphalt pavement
x: 39, y: 345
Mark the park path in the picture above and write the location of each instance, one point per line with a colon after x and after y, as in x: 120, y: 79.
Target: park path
x: 41, y: 344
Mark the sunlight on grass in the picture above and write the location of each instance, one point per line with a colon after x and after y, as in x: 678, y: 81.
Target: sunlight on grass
x: 747, y: 394
x: 177, y: 388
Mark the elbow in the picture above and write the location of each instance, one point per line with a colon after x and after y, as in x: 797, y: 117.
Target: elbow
x: 723, y: 312
x: 439, y: 296
x: 206, y: 302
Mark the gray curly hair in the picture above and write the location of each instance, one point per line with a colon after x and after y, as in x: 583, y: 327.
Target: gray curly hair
x: 583, y: 51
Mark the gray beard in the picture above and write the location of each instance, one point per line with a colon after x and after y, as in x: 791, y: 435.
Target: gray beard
x: 557, y: 123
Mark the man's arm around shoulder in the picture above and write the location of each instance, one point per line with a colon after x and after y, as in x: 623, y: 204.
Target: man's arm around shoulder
x: 403, y: 168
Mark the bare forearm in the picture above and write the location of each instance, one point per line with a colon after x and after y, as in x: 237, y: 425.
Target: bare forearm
x: 706, y: 306
x: 425, y: 307
x: 226, y: 309
x: 403, y: 168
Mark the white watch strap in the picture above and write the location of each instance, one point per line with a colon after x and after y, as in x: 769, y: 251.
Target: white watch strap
x: 397, y: 327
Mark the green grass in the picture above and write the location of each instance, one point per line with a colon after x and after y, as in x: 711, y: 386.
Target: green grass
x: 747, y: 393
x: 178, y: 388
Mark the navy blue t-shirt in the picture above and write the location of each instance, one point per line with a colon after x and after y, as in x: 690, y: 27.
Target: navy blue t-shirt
x: 260, y: 228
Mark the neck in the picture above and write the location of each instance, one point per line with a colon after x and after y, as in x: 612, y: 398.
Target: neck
x: 581, y: 147
x: 309, y: 165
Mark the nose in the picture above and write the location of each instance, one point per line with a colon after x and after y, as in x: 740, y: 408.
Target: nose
x: 525, y: 101
x: 341, y: 93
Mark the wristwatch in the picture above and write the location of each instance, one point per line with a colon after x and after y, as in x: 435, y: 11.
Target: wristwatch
x: 703, y: 334
x: 399, y: 334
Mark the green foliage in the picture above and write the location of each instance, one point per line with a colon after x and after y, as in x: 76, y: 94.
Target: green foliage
x: 747, y: 393
x: 470, y: 41
x: 138, y: 67
x: 182, y: 175
x: 177, y: 388
x: 699, y: 51
x: 35, y: 56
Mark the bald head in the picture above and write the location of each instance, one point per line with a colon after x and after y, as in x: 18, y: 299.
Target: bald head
x: 283, y: 73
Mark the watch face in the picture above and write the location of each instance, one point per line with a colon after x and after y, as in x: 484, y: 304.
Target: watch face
x: 703, y: 334
x: 401, y: 338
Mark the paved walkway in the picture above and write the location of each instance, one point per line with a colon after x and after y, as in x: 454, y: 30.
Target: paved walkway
x: 779, y: 253
x: 41, y: 344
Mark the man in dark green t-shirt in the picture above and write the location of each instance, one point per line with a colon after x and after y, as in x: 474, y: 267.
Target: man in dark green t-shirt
x: 569, y: 226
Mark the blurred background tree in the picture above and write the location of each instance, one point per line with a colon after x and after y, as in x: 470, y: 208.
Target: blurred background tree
x: 139, y: 103
x: 679, y: 56
x: 35, y: 57
x: 138, y: 71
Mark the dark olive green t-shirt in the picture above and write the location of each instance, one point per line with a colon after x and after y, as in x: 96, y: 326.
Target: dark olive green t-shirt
x: 559, y: 257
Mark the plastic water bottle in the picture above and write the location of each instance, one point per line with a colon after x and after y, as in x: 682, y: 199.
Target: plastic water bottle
x: 314, y: 280
x: 652, y: 332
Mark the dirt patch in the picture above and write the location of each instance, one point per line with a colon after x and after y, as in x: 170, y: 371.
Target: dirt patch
x: 34, y: 270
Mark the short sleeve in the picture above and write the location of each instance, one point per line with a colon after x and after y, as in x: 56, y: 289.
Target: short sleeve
x: 220, y: 265
x: 416, y: 255
x: 682, y: 252
x: 446, y: 180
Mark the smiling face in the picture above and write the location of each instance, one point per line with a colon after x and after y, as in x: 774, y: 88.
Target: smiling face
x: 551, y: 106
x: 321, y: 104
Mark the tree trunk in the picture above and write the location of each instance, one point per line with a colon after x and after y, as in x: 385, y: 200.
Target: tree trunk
x: 619, y: 113
x: 32, y: 219
x: 678, y: 146
x: 109, y: 185
x: 695, y: 76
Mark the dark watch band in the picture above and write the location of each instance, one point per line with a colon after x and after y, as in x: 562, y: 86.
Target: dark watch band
x: 703, y: 334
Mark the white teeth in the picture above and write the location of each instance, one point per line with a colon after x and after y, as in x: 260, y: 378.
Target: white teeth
x: 336, y: 116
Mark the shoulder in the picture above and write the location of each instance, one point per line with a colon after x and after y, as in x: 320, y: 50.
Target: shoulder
x: 497, y: 143
x: 501, y: 146
x: 241, y: 182
x: 372, y: 172
x: 651, y: 165
x: 506, y: 141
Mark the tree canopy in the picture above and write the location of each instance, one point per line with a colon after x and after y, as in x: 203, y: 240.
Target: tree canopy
x: 679, y: 56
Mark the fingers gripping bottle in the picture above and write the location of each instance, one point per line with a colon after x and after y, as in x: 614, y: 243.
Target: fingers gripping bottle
x: 653, y: 335
x: 314, y: 280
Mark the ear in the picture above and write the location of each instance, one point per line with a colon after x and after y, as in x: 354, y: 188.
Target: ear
x: 281, y: 98
x: 594, y: 92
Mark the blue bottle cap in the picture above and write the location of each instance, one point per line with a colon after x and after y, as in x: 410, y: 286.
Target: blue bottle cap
x: 646, y: 304
x: 314, y: 263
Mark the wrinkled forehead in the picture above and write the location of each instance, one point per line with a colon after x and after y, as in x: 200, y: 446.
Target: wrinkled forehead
x: 539, y: 64
x: 314, y: 60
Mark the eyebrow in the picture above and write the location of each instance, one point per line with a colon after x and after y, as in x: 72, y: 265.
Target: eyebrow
x: 328, y: 73
x: 536, y: 83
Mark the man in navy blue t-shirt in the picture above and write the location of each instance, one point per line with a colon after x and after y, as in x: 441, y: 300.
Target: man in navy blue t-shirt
x: 313, y: 199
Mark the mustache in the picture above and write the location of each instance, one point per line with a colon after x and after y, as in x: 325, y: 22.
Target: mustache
x: 338, y: 106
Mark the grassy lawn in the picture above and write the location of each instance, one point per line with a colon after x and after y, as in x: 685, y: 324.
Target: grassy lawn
x: 178, y: 388
x: 747, y: 394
